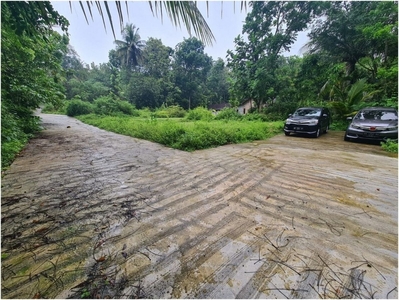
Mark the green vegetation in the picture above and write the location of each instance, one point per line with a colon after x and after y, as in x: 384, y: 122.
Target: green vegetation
x: 390, y: 146
x: 185, y: 134
x: 199, y: 113
x: 31, y: 55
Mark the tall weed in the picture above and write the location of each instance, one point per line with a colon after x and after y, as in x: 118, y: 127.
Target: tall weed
x: 186, y: 135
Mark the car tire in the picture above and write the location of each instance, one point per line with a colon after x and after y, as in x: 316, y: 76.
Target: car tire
x: 317, y: 134
x: 326, y: 130
x: 286, y: 133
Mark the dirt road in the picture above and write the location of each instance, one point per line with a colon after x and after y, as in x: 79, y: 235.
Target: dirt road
x: 88, y: 213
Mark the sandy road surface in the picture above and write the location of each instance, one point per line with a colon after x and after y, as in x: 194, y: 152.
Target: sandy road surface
x: 88, y: 213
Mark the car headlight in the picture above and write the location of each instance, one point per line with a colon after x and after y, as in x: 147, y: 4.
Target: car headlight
x: 312, y: 122
x: 392, y: 128
x: 288, y: 121
x: 354, y: 126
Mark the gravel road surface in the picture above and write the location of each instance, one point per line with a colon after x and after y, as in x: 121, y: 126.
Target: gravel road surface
x: 89, y: 213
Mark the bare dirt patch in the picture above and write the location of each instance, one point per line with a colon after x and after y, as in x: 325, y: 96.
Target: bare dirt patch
x: 88, y: 213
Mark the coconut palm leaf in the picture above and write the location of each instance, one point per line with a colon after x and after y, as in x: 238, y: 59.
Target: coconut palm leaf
x: 179, y: 12
x: 130, y: 49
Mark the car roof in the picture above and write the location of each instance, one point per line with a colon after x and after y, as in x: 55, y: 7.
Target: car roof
x: 312, y: 107
x: 379, y: 108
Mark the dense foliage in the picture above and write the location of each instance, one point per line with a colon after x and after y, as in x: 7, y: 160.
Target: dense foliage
x: 31, y: 72
x: 351, y: 57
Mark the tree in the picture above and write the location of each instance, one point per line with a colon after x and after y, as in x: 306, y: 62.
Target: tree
x: 144, y: 91
x: 130, y: 49
x: 157, y: 59
x: 31, y: 72
x: 271, y: 27
x: 217, y: 83
x: 351, y: 30
x: 191, y: 66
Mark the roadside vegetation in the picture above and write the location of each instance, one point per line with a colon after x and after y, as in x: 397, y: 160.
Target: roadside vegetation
x: 185, y: 133
x: 343, y: 68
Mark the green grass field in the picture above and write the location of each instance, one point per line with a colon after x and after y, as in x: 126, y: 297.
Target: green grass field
x: 186, y: 135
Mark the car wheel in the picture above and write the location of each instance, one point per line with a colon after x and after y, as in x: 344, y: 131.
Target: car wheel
x: 326, y: 130
x: 286, y: 133
x: 317, y: 134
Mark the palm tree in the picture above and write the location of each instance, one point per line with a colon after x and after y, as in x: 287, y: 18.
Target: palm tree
x: 130, y: 49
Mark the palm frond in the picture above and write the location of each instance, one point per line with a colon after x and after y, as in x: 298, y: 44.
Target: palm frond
x: 179, y: 12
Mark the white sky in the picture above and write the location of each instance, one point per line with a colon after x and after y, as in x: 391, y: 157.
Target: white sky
x: 93, y: 43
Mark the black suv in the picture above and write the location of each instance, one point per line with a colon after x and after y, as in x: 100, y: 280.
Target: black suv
x: 308, y: 120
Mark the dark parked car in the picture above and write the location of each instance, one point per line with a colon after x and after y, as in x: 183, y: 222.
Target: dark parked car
x: 373, y: 123
x: 308, y: 120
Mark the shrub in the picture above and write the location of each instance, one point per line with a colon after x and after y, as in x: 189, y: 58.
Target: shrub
x: 390, y: 146
x: 78, y: 107
x: 257, y: 117
x: 339, y: 125
x: 199, y: 113
x: 145, y: 112
x: 107, y: 105
x: 54, y: 109
x: 175, y: 111
x: 15, y: 132
x: 127, y: 108
x: 228, y: 114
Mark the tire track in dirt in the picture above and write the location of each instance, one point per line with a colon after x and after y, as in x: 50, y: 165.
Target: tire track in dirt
x: 84, y: 210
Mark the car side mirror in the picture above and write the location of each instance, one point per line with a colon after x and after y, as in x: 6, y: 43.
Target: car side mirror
x: 349, y: 118
x: 325, y: 115
x: 289, y: 115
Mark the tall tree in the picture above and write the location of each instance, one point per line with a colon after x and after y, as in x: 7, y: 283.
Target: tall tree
x: 130, y: 49
x: 217, y: 83
x: 352, y: 30
x: 157, y: 58
x: 271, y: 28
x: 191, y: 66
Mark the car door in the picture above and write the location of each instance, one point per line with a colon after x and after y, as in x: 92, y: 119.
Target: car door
x: 324, y: 119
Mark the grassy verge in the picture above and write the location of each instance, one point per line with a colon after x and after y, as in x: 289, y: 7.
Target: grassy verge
x: 184, y: 135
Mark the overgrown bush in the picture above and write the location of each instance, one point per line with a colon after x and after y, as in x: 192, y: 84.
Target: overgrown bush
x: 145, y: 112
x: 390, y: 146
x: 185, y: 135
x: 55, y: 108
x: 78, y: 107
x: 199, y: 113
x: 15, y: 133
x: 174, y: 111
x: 228, y: 114
x: 107, y: 105
x: 257, y: 117
x: 339, y: 124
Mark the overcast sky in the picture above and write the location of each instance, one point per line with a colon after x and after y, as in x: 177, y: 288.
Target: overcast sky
x: 93, y: 43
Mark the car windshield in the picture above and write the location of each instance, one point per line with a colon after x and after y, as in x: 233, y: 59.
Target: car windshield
x: 376, y: 115
x: 307, y: 112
